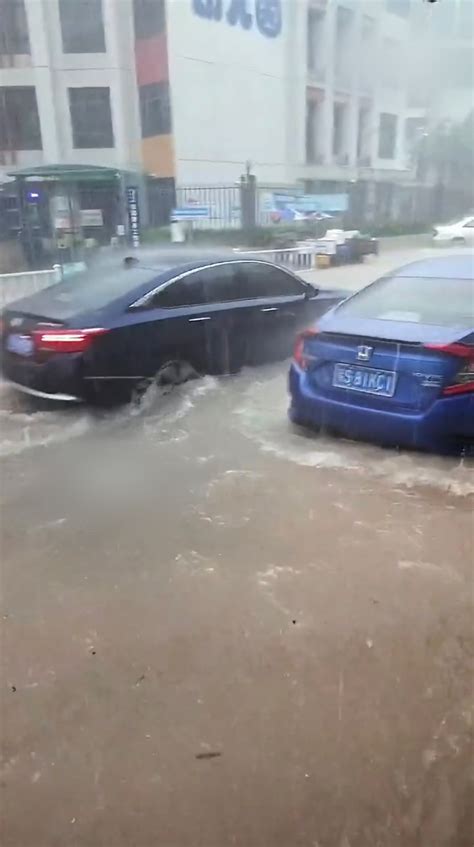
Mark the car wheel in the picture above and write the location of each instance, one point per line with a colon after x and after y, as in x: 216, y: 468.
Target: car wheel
x: 170, y: 373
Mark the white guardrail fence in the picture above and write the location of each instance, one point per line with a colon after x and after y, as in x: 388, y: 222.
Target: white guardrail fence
x: 15, y: 286
x: 298, y: 258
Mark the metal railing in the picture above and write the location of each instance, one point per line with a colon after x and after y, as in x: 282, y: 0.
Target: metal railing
x: 296, y: 258
x: 222, y: 204
x: 15, y: 286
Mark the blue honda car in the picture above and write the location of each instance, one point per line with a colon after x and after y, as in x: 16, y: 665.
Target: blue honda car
x: 394, y: 363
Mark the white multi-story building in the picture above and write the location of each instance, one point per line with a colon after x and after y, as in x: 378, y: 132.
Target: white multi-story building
x: 306, y: 90
x: 313, y: 93
x: 68, y: 91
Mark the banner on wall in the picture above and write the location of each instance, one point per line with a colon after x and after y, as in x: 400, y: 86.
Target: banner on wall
x: 300, y: 207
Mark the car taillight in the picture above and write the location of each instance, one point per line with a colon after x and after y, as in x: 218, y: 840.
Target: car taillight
x: 463, y: 382
x: 299, y: 355
x: 65, y: 340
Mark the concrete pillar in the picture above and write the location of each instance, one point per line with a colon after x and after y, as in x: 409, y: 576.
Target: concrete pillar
x: 328, y: 104
x: 353, y: 117
x: 39, y: 29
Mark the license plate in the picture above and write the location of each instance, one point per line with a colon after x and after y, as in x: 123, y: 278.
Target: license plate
x: 367, y: 380
x: 22, y: 345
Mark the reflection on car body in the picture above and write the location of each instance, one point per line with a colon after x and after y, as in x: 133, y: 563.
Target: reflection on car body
x: 394, y: 363
x: 120, y: 324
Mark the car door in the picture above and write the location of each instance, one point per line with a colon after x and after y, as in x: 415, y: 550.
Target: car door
x: 230, y: 308
x: 280, y: 308
x: 165, y: 325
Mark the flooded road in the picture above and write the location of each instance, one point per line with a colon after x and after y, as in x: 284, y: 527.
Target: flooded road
x: 219, y: 631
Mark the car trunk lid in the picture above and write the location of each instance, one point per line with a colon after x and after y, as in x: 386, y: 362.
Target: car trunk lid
x: 366, y: 370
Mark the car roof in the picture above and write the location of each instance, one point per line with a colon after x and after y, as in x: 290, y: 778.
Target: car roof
x: 153, y: 268
x: 440, y: 267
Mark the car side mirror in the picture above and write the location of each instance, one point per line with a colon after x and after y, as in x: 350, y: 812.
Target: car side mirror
x: 311, y: 291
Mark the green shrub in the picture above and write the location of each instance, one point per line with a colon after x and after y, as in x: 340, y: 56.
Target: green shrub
x: 263, y: 237
x: 278, y: 235
x: 399, y: 228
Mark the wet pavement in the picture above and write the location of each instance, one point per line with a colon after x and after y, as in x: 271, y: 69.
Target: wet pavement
x: 218, y: 631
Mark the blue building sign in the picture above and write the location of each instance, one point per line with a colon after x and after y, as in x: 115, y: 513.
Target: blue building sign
x: 265, y: 14
x: 300, y: 207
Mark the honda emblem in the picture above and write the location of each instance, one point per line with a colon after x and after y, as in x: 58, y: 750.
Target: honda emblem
x: 364, y: 353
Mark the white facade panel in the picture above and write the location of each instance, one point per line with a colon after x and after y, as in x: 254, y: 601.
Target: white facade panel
x: 239, y: 95
x: 230, y: 91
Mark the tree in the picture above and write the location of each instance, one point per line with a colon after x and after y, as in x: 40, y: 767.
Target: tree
x: 445, y: 159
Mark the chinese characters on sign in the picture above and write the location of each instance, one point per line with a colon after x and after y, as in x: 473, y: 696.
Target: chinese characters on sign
x: 132, y: 206
x: 267, y: 14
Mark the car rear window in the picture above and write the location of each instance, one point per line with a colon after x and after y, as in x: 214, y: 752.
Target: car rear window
x: 92, y: 289
x: 423, y: 300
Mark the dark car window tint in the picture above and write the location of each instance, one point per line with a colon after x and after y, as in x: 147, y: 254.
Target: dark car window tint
x: 267, y: 281
x: 222, y: 283
x: 441, y: 302
x: 188, y: 291
x: 91, y: 289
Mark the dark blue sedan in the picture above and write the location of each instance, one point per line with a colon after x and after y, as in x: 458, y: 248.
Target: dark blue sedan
x: 394, y: 363
x: 102, y: 333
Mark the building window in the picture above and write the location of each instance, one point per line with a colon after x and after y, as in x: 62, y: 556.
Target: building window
x: 82, y: 26
x: 363, y: 135
x: 91, y: 117
x: 313, y: 124
x: 310, y: 139
x: 316, y: 43
x: 149, y: 17
x: 387, y: 136
x: 155, y: 109
x: 339, y: 130
x: 19, y: 120
x: 14, y: 38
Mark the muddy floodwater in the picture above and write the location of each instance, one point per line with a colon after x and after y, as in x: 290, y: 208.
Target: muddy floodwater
x: 218, y: 631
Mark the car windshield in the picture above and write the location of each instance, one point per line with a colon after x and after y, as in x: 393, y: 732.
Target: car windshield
x: 422, y: 300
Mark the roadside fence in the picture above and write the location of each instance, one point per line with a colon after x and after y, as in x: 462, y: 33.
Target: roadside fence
x: 15, y: 286
x: 296, y: 258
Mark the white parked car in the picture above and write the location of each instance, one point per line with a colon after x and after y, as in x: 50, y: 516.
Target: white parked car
x: 457, y: 232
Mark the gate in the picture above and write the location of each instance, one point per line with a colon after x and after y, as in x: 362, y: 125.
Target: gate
x: 219, y: 205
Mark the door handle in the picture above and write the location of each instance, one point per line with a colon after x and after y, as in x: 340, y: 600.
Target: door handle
x: 206, y: 318
x: 270, y: 309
